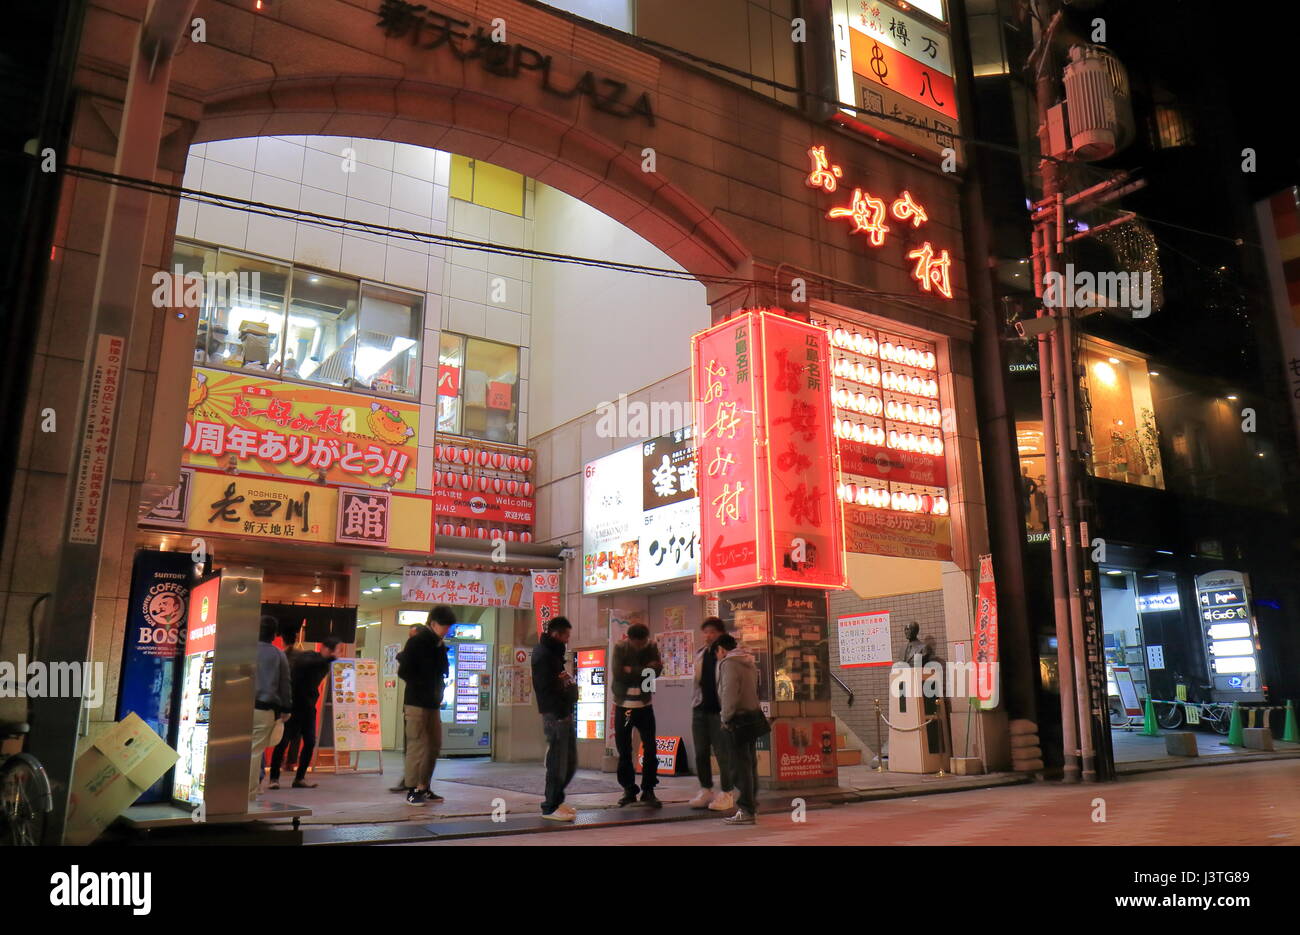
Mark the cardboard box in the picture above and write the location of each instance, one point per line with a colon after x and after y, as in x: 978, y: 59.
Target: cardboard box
x: 119, y: 766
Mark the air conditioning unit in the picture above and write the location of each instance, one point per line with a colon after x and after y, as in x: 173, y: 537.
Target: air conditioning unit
x: 1099, y: 103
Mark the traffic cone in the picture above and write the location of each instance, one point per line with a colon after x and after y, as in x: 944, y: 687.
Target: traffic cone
x: 1234, y: 728
x: 1291, y: 733
x: 1149, y: 726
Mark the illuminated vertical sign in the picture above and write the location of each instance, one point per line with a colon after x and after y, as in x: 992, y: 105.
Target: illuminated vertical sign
x: 766, y: 454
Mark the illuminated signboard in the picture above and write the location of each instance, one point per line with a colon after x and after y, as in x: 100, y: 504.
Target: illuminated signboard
x: 196, y: 694
x: 894, y: 72
x: 768, y: 461
x: 1231, y: 651
x: 868, y: 215
x: 641, y: 515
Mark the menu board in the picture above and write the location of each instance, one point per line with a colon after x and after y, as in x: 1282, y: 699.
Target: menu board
x: 748, y: 616
x: 591, y: 694
x: 800, y: 646
x: 355, y: 684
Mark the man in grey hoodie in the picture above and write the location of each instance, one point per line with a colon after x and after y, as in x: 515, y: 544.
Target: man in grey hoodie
x: 738, y: 693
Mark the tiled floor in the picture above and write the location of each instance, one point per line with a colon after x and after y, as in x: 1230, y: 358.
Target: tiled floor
x: 1237, y: 803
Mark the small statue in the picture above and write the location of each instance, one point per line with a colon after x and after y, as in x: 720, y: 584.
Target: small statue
x: 914, y: 645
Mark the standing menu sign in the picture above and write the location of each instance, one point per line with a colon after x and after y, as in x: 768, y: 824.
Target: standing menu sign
x: 355, y: 685
x: 591, y: 694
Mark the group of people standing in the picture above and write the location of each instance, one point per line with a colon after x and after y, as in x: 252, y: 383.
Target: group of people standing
x: 726, y: 719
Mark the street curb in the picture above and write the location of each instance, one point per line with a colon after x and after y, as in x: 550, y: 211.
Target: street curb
x: 1159, y: 766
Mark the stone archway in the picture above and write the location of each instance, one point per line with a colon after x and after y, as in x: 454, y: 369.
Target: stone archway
x: 576, y: 160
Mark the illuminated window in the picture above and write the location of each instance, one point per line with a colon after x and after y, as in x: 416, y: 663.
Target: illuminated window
x: 485, y: 184
x: 1121, y: 418
x: 478, y: 388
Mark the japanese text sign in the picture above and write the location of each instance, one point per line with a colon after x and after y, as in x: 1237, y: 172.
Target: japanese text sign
x: 293, y: 430
x: 428, y: 585
x: 767, y: 456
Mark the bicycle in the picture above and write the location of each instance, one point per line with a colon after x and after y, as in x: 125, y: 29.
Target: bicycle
x: 25, y: 798
x: 1217, y: 714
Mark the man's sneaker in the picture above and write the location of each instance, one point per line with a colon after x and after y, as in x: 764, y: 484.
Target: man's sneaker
x: 648, y: 799
x: 432, y: 796
x: 559, y: 815
x: 723, y: 802
x: 273, y: 784
x: 629, y: 798
x: 568, y: 809
x: 741, y: 817
x: 702, y: 799
x: 416, y: 797
x: 400, y: 787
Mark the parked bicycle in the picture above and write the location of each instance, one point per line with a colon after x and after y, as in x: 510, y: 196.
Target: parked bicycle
x: 25, y: 799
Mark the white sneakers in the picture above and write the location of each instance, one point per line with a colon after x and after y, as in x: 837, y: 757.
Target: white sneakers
x: 702, y: 799
x: 563, y: 813
x: 723, y: 802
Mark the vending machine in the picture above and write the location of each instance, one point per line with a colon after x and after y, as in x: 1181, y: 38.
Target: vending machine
x: 467, y: 698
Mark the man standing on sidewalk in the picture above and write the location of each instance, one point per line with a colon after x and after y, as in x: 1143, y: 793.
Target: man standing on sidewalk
x: 272, y: 702
x: 636, y: 665
x: 422, y: 665
x: 706, y: 726
x: 557, y: 694
x: 307, y: 669
x: 743, y: 717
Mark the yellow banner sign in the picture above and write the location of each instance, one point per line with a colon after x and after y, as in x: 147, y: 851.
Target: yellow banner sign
x: 873, y: 531
x: 293, y: 430
x: 287, y: 511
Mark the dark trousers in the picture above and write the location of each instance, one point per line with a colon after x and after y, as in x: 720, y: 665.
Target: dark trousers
x: 710, y: 738
x: 643, y: 720
x: 744, y: 768
x: 561, y: 758
x: 301, y: 726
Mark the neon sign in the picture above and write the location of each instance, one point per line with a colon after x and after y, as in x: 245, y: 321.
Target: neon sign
x: 867, y: 214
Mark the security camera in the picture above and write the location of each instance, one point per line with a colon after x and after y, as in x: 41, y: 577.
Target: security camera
x: 568, y: 555
x: 1035, y: 327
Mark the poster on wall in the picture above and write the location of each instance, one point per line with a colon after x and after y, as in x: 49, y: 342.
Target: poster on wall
x: 294, y: 430
x: 422, y: 584
x: 865, y: 640
x: 641, y: 515
x: 677, y: 650
x: 355, y: 687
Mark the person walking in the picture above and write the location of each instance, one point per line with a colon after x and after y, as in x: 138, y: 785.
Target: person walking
x: 706, y: 726
x: 557, y: 694
x: 743, y: 718
x: 271, y: 703
x: 636, y: 664
x: 422, y: 665
x: 307, y: 669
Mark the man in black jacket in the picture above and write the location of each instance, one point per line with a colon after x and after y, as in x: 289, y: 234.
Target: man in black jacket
x: 556, y: 695
x: 422, y: 665
x: 307, y: 669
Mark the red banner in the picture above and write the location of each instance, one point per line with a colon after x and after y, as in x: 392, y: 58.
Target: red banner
x: 985, y: 656
x: 546, y: 597
x: 489, y: 507
x: 201, y: 626
x: 904, y: 467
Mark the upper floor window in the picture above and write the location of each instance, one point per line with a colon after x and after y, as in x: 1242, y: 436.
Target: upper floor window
x: 617, y: 14
x: 304, y: 324
x: 478, y: 388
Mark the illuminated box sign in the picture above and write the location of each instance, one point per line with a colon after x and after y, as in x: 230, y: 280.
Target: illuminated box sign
x: 641, y: 515
x: 895, y: 73
x: 292, y: 430
x: 490, y: 507
x: 768, y: 462
x: 1223, y: 603
x: 288, y: 511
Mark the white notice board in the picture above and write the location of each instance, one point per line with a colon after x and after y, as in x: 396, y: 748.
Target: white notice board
x: 864, y: 640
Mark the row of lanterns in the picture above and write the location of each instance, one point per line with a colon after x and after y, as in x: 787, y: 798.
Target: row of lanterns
x: 483, y: 532
x: 870, y: 347
x: 498, y: 461
x: 879, y: 497
x: 856, y: 431
x: 454, y: 479
x: 873, y: 406
x: 905, y: 384
x: 873, y: 435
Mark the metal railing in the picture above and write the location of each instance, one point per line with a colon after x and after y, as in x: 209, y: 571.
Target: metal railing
x: 848, y: 691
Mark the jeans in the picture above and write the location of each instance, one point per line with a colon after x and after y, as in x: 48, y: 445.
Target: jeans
x: 301, y: 726
x: 643, y: 720
x: 710, y: 738
x: 744, y: 766
x: 423, y: 744
x: 561, y: 758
